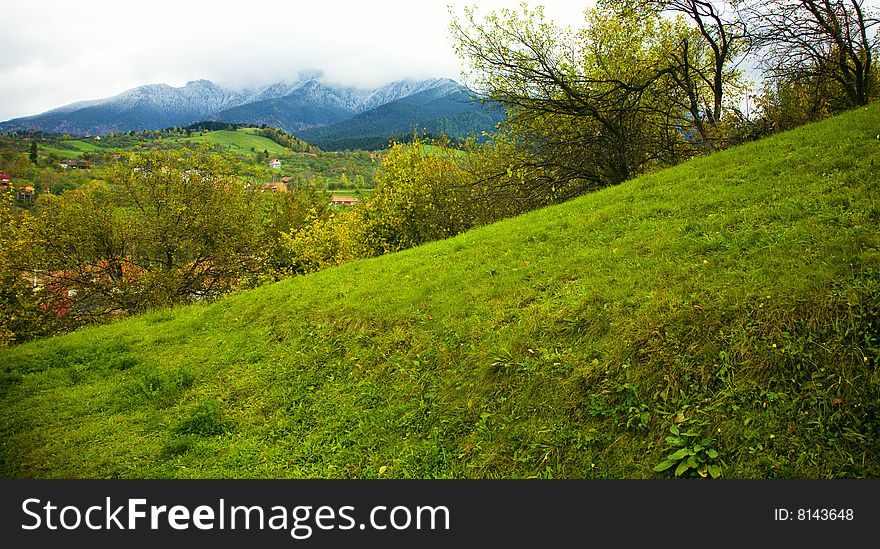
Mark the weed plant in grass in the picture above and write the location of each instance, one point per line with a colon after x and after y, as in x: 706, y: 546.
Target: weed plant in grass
x: 730, y: 303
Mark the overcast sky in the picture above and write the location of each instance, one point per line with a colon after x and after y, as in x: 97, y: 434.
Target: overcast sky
x: 55, y: 52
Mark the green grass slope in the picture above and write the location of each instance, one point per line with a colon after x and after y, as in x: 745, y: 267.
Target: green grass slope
x: 725, y: 312
x: 240, y: 142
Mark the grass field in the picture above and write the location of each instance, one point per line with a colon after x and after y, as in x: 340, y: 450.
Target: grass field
x: 239, y: 142
x: 75, y: 147
x: 86, y: 145
x: 62, y: 152
x: 720, y: 318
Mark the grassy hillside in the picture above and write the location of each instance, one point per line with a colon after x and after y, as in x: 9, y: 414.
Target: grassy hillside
x: 73, y: 148
x: 239, y: 142
x: 85, y: 145
x: 728, y: 308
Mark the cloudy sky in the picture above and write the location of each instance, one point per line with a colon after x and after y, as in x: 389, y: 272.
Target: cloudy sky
x: 55, y: 52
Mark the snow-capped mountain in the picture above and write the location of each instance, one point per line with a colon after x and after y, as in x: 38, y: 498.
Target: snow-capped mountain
x: 152, y: 106
x: 405, y: 88
x: 440, y: 107
x: 307, y: 101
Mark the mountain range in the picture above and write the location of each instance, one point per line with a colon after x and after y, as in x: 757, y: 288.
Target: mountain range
x: 330, y: 116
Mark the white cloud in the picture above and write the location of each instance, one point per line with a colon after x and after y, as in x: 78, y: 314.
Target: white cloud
x: 56, y: 52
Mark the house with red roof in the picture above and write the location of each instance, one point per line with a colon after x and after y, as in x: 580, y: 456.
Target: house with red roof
x: 343, y: 200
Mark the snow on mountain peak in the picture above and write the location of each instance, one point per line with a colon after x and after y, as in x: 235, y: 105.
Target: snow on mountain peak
x: 155, y: 106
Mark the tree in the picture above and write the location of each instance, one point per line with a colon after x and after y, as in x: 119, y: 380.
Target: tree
x: 829, y: 44
x: 705, y: 59
x: 33, y: 154
x: 19, y: 165
x: 169, y: 227
x: 84, y: 256
x: 190, y: 220
x: 14, y: 290
x: 417, y: 200
x: 589, y: 108
x: 277, y: 217
x: 421, y: 195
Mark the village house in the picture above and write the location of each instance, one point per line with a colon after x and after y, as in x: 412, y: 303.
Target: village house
x: 275, y: 163
x: 76, y: 164
x: 343, y: 200
x: 26, y: 194
x: 275, y: 187
x: 5, y: 180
